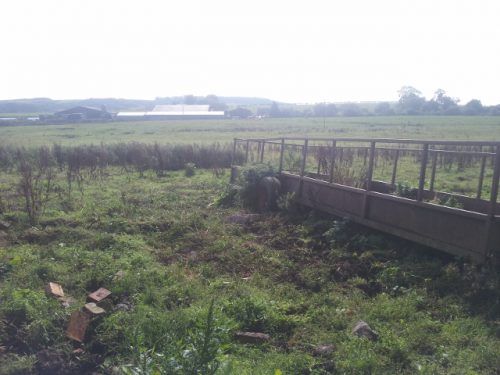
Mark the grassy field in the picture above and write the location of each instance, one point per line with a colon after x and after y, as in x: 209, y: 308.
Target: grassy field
x: 188, y: 269
x: 185, y: 279
x: 209, y: 131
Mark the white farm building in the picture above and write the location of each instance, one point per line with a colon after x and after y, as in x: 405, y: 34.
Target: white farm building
x: 174, y: 112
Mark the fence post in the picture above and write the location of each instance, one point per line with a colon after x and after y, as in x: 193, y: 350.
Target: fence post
x: 262, y: 151
x: 246, y: 152
x: 282, y: 149
x: 332, y: 159
x: 423, y: 167
x: 369, y: 176
x: 233, y: 155
x: 433, y: 173
x: 493, y: 200
x: 395, y: 168
x: 303, y: 166
x: 481, y: 178
x: 494, y: 183
x: 369, y: 173
x: 304, y: 157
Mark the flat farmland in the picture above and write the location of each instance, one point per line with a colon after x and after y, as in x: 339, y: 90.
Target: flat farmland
x: 210, y: 131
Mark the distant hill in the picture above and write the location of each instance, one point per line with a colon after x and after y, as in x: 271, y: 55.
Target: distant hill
x: 46, y: 105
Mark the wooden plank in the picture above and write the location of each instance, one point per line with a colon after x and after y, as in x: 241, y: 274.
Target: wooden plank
x: 55, y: 289
x: 99, y: 295
x: 77, y: 327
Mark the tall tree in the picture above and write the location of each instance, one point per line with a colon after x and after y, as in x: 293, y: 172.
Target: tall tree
x: 473, y: 107
x: 411, y: 100
x: 447, y: 105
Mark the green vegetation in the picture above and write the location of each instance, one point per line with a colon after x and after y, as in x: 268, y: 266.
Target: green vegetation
x: 186, y: 274
x: 210, y: 131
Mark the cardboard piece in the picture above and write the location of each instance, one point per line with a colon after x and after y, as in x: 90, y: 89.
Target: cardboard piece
x: 78, y: 326
x: 55, y: 289
x: 92, y: 308
x: 99, y: 295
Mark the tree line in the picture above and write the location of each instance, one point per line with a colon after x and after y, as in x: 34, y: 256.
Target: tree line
x: 411, y: 102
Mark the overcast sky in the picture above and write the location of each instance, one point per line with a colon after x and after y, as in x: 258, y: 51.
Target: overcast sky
x: 292, y: 51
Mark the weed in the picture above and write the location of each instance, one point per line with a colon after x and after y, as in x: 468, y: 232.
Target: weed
x: 189, y: 169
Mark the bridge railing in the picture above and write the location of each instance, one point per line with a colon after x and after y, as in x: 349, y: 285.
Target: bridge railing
x: 477, y: 165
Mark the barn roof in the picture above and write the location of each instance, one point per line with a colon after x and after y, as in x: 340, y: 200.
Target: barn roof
x: 181, y: 108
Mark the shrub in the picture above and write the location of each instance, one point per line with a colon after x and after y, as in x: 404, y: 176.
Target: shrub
x: 248, y: 181
x: 189, y: 169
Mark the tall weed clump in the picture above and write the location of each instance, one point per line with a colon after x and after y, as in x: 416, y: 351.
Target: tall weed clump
x: 244, y: 190
x: 36, y: 171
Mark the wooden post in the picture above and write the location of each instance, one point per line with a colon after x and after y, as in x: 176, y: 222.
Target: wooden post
x: 332, y: 159
x: 481, y: 177
x: 423, y: 167
x: 262, y: 151
x: 303, y: 166
x: 233, y: 155
x: 494, y: 184
x: 433, y: 173
x: 282, y: 150
x: 369, y: 176
x: 493, y: 201
x: 246, y: 152
x: 304, y: 157
x: 370, y: 167
x: 395, y: 168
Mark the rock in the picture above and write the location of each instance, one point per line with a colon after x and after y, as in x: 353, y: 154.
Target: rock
x: 99, y: 295
x: 252, y: 337
x: 92, y: 308
x: 362, y: 329
x: 55, y: 289
x: 67, y: 301
x: 123, y: 307
x: 243, y: 218
x: 4, y: 225
x: 78, y: 326
x: 324, y: 349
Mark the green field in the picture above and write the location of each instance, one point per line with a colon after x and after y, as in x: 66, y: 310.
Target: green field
x: 167, y: 253
x: 208, y: 131
x: 189, y: 269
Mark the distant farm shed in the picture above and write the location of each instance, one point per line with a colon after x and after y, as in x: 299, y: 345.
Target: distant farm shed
x: 83, y: 113
x: 174, y: 112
